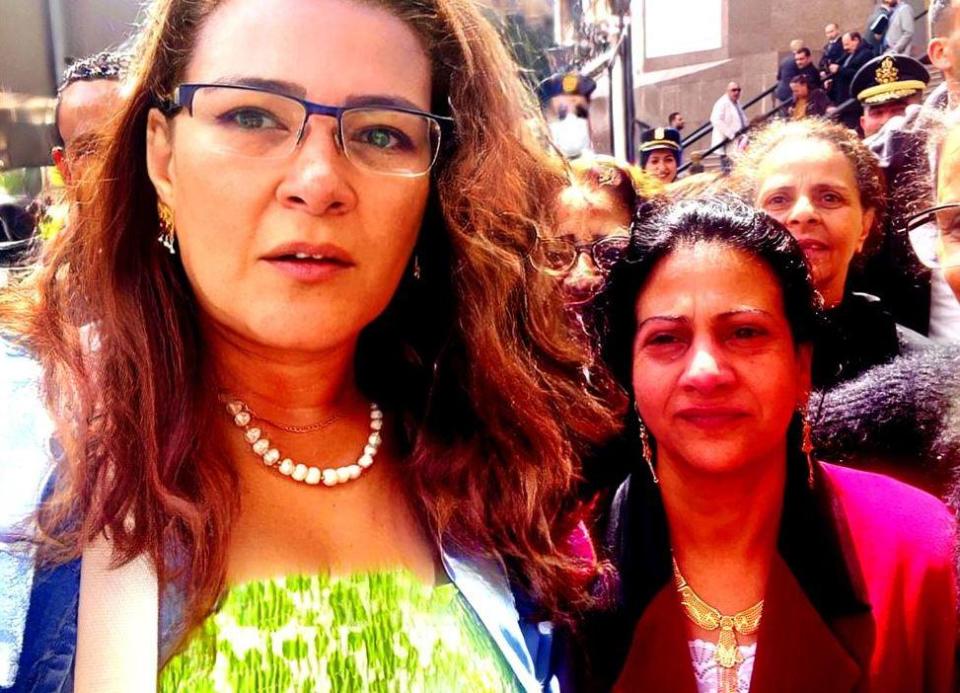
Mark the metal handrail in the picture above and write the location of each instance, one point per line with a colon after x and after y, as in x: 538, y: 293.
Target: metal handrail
x: 835, y: 115
x: 707, y: 127
x: 746, y: 128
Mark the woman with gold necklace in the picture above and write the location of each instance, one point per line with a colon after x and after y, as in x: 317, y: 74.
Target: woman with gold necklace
x: 745, y: 564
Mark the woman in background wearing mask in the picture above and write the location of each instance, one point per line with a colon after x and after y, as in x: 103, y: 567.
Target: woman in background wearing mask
x: 565, y: 99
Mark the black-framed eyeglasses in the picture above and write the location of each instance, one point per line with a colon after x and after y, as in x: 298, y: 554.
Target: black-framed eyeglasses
x: 255, y: 122
x: 935, y: 235
x: 559, y: 255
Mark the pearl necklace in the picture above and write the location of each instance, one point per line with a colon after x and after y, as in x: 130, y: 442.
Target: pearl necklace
x: 330, y: 476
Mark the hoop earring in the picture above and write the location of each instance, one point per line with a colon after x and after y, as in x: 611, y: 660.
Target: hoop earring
x: 807, y: 445
x: 647, y: 450
x: 416, y: 267
x: 167, y: 230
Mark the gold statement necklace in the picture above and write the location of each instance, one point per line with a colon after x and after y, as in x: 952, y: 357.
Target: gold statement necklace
x: 746, y: 622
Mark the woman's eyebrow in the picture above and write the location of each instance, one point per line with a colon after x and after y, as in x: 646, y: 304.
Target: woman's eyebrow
x: 759, y: 312
x: 278, y: 85
x: 669, y: 318
x: 355, y: 100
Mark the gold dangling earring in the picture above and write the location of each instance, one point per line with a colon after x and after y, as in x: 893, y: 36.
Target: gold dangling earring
x: 167, y: 231
x: 647, y: 451
x: 807, y: 445
x: 416, y: 267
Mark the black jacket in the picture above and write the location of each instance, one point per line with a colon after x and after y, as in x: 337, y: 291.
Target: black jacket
x: 832, y: 53
x: 852, y: 62
x: 904, y: 411
x: 857, y: 335
x: 788, y: 70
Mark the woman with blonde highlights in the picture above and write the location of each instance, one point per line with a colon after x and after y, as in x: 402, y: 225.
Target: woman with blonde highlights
x: 324, y: 432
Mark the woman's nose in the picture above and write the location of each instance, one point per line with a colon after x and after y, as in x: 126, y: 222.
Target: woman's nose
x: 706, y: 369
x: 802, y: 211
x: 584, y: 274
x: 318, y: 178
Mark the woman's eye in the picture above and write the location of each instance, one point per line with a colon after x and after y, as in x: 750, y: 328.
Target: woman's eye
x: 250, y: 119
x: 748, y: 332
x: 662, y: 339
x: 832, y: 198
x: 382, y: 138
x: 776, y: 201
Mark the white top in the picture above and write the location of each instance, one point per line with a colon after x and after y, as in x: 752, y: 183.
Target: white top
x: 707, y: 671
x: 727, y: 119
x: 944, y: 310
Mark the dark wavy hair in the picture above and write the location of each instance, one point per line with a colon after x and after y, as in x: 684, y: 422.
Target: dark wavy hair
x: 724, y: 221
x: 665, y: 228
x: 475, y: 360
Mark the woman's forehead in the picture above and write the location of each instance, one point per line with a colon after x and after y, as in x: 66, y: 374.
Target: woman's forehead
x: 709, y: 276
x: 316, y: 44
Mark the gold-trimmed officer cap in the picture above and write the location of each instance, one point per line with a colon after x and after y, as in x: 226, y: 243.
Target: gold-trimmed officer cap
x: 889, y: 78
x: 571, y: 83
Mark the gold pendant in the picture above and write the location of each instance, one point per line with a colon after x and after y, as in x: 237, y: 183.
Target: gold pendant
x: 728, y: 653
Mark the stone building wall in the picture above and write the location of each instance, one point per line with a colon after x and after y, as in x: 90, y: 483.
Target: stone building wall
x: 756, y: 36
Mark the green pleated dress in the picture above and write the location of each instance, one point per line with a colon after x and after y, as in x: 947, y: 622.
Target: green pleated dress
x: 382, y: 631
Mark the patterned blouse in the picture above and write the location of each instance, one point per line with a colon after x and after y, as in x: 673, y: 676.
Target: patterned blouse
x: 382, y: 631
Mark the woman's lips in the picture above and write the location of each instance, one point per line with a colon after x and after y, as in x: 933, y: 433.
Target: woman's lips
x: 308, y: 270
x: 309, y: 262
x: 811, y: 245
x: 711, y: 417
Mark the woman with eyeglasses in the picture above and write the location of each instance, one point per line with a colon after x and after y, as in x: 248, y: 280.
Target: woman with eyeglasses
x: 593, y: 215
x: 322, y: 424
x: 745, y: 564
x: 818, y: 180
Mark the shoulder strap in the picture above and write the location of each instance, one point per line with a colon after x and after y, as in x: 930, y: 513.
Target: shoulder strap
x: 117, y: 624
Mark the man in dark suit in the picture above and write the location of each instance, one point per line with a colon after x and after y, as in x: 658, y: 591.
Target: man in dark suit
x: 832, y: 50
x: 801, y: 63
x: 857, y: 54
x: 787, y: 71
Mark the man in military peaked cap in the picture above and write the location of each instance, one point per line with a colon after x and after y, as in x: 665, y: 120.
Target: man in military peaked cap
x: 885, y: 86
x: 565, y: 99
x: 660, y: 153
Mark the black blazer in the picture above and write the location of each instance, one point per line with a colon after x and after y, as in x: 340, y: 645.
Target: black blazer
x: 848, y: 68
x: 832, y: 53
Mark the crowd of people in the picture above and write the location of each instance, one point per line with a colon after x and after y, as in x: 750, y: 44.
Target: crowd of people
x: 359, y: 370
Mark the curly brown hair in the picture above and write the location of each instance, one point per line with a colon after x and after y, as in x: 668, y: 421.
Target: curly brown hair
x: 474, y: 360
x: 746, y: 182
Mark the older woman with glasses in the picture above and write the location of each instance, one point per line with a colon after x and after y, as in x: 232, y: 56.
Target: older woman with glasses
x: 593, y: 216
x: 316, y: 417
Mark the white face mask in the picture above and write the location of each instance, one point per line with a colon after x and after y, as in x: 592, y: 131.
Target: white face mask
x: 571, y: 135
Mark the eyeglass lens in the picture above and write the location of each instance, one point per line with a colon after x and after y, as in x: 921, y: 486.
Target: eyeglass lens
x: 260, y: 124
x: 948, y: 226
x: 560, y: 254
x: 935, y: 236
